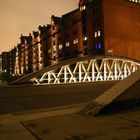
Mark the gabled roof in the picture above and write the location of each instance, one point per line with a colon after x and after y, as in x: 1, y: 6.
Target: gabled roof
x: 56, y: 19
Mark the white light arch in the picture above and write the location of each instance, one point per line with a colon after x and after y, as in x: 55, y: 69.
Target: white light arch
x: 105, y: 68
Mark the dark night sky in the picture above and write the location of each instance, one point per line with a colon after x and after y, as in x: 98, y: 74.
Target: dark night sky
x: 24, y: 16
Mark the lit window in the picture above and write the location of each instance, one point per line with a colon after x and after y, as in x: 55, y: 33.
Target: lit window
x: 54, y: 48
x: 85, y: 38
x: 52, y: 22
x: 99, y: 33
x: 67, y: 44
x: 95, y: 34
x: 75, y: 41
x: 82, y: 8
x: 98, y: 46
x: 60, y: 46
x: 136, y: 1
x: 49, y: 51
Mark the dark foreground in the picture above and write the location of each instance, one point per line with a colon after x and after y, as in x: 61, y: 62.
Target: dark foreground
x: 118, y: 126
x: 27, y: 114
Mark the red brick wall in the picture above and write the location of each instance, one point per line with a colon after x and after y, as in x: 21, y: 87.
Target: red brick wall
x: 122, y: 28
x: 68, y: 20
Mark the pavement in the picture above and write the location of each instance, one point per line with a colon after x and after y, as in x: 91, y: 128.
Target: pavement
x: 13, y: 128
x: 119, y: 126
x: 18, y: 117
x: 15, y: 131
x: 66, y: 123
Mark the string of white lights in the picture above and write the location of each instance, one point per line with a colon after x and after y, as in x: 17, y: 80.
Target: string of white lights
x: 106, y: 69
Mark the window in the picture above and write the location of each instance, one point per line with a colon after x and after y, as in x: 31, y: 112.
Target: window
x: 82, y: 8
x: 59, y: 30
x: 75, y: 32
x: 54, y: 42
x: 49, y: 51
x: 98, y: 46
x: 60, y: 47
x: 98, y: 22
x: 67, y: 35
x: 52, y: 22
x: 97, y: 34
x: 54, y: 48
x: 53, y: 27
x: 85, y: 51
x: 75, y: 21
x: 85, y: 43
x: 54, y: 58
x: 54, y: 54
x: 84, y: 18
x: 75, y: 41
x: 67, y: 44
x: 85, y: 38
x: 54, y: 35
x: 84, y: 29
x: 136, y: 1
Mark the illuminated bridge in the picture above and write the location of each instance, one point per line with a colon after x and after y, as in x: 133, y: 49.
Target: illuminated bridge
x: 85, y: 69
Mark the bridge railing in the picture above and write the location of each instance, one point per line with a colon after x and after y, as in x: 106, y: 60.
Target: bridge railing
x: 90, y: 70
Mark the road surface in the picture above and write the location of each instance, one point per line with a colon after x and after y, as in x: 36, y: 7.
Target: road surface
x: 24, y: 98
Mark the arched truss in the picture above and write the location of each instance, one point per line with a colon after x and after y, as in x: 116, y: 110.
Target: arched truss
x: 90, y: 70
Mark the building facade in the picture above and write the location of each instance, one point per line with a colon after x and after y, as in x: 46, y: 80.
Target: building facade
x: 21, y: 57
x: 121, y: 36
x: 110, y: 27
x: 96, y: 27
x: 5, y: 63
x: 45, y: 42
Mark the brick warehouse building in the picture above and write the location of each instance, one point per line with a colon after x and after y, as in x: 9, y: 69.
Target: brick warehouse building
x: 97, y: 27
x: 111, y: 28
